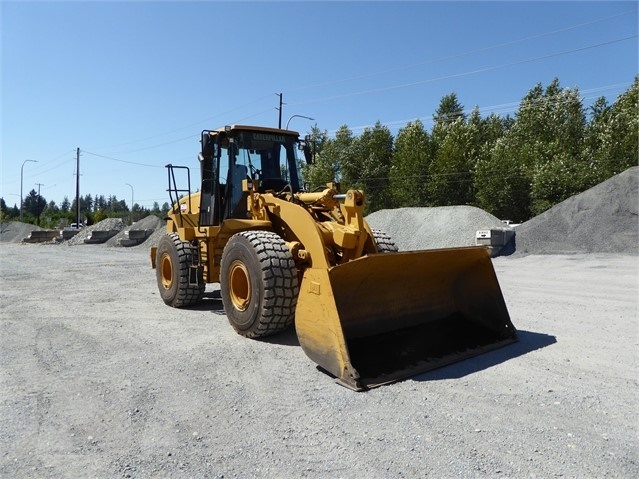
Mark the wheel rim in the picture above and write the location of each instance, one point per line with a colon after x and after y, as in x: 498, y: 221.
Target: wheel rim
x: 166, y: 269
x: 239, y: 286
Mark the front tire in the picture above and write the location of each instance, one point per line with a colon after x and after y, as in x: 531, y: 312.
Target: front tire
x: 383, y: 242
x: 258, y: 283
x: 173, y: 265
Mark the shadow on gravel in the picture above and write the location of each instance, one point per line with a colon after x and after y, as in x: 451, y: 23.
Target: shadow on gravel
x: 528, y: 342
x: 285, y: 338
x: 212, y: 302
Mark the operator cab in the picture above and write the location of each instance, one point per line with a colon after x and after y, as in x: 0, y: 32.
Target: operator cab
x: 267, y: 156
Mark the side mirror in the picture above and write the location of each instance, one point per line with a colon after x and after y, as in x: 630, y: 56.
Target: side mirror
x: 308, y: 156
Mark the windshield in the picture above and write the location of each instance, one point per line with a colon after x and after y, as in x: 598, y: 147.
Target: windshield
x: 271, y: 158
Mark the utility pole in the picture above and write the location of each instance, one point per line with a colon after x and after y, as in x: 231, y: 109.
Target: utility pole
x: 279, y: 123
x: 77, y: 190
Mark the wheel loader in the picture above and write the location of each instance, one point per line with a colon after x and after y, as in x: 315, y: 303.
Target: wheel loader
x: 284, y: 255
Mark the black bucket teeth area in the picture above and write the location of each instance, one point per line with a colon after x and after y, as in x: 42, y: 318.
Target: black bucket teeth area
x: 422, y: 348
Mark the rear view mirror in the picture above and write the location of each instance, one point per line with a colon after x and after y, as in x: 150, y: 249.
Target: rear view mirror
x: 308, y: 156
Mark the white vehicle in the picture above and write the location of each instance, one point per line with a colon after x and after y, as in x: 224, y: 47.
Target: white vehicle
x: 73, y: 226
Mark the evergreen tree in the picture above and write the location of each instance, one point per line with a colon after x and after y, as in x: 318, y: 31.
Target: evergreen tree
x: 65, y: 206
x: 4, y: 211
x: 100, y: 203
x: 34, y: 205
x: 448, y: 112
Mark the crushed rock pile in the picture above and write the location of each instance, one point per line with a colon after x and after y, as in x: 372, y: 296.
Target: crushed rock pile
x: 154, y: 239
x: 107, y: 224
x: 15, y: 231
x: 422, y: 228
x: 150, y: 222
x: 602, y: 219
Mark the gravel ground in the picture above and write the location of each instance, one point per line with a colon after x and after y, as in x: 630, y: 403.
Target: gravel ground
x: 98, y: 378
x: 101, y: 379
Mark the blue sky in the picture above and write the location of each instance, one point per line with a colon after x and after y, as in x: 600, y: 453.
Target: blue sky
x: 132, y: 84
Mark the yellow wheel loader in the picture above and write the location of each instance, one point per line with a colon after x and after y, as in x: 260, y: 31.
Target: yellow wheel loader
x: 282, y: 255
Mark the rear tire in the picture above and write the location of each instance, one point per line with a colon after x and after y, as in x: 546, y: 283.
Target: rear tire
x: 173, y: 261
x: 384, y: 242
x: 258, y: 283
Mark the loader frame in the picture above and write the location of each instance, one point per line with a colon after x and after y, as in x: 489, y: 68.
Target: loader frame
x: 283, y: 255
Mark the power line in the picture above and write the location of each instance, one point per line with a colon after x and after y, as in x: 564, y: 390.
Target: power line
x: 221, y: 114
x: 472, y: 52
x: 121, y: 161
x: 382, y: 89
x: 464, y: 54
x: 462, y: 74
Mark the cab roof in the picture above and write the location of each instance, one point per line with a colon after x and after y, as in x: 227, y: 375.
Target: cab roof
x: 257, y: 128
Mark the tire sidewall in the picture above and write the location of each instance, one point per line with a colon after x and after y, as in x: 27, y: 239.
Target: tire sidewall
x: 240, y: 249
x: 166, y: 246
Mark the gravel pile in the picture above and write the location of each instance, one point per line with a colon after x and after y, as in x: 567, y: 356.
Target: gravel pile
x: 602, y: 219
x: 107, y: 224
x: 150, y: 222
x: 429, y: 228
x: 155, y: 237
x: 15, y: 232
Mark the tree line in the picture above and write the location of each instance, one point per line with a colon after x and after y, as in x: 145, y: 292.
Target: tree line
x: 513, y: 167
x: 36, y: 210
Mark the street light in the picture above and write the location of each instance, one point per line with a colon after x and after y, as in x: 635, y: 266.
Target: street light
x: 299, y: 116
x: 21, y: 176
x: 131, y: 201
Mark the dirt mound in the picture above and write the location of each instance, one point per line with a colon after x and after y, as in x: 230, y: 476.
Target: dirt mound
x: 602, y: 219
x: 15, y: 231
x: 429, y: 228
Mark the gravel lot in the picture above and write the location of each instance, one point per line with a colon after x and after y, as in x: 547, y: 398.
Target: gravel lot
x: 98, y: 378
x: 101, y: 379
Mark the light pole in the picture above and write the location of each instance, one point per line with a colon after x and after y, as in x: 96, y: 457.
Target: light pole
x: 299, y: 116
x: 21, y: 176
x: 131, y: 201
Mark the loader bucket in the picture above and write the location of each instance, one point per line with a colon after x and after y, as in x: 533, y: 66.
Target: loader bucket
x: 388, y: 316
